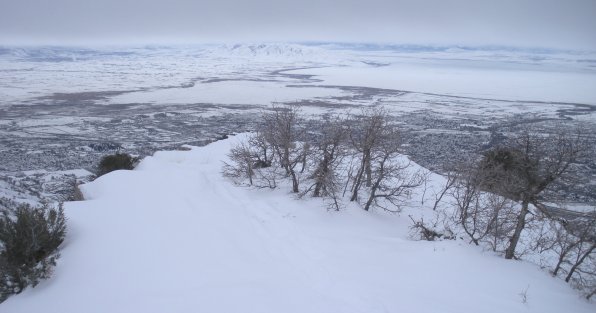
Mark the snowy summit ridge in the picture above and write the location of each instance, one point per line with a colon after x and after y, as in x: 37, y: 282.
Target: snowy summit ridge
x: 173, y: 235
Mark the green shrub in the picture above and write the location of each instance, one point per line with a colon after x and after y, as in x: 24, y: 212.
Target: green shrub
x: 118, y: 161
x: 29, y: 241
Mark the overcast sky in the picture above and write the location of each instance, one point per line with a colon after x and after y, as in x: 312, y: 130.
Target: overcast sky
x: 531, y: 23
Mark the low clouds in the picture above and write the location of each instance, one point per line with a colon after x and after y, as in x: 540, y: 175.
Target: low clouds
x: 533, y: 23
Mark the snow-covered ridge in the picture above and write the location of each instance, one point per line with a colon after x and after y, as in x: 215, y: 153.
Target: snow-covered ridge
x: 271, y: 51
x: 255, y: 49
x: 174, y: 236
x: 287, y: 50
x: 321, y: 53
x: 61, y: 54
x: 277, y: 51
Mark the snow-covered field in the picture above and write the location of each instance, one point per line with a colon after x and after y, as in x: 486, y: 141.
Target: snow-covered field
x: 496, y: 73
x: 175, y: 236
x: 525, y: 84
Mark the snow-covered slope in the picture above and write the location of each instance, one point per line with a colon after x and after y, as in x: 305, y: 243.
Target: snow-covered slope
x: 174, y: 236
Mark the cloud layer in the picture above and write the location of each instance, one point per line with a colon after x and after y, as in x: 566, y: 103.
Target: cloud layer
x: 536, y: 23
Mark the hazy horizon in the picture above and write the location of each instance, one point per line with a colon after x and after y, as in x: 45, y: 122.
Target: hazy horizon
x: 546, y: 24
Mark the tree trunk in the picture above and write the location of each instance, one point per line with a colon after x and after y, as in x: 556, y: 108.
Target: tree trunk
x: 579, y: 262
x: 304, y: 153
x: 562, y: 256
x: 250, y: 171
x: 368, y: 169
x: 448, y: 185
x: 321, y: 175
x: 521, y: 224
x: 378, y: 180
x: 358, y: 181
x: 373, y: 192
x: 286, y: 160
x: 294, y: 181
x: 559, y: 262
x: 317, y: 192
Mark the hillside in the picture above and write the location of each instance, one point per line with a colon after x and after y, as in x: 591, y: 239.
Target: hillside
x: 175, y: 236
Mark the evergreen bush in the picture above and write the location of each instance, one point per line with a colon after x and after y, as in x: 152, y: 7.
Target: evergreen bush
x: 118, y: 161
x: 29, y: 241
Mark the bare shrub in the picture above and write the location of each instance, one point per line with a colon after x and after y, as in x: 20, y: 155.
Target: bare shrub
x: 572, y: 243
x: 419, y: 230
x: 243, y: 161
x: 449, y: 183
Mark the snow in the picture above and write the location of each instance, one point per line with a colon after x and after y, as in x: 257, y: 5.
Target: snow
x: 449, y: 79
x: 227, y: 92
x: 41, y: 72
x: 162, y: 74
x: 277, y: 51
x: 175, y: 236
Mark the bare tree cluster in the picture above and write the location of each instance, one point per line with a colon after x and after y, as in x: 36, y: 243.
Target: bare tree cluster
x: 356, y: 157
x: 523, y: 170
x: 502, y: 201
x: 377, y: 145
x: 571, y: 243
x: 483, y: 216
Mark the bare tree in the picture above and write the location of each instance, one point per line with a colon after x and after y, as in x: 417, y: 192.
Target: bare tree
x: 562, y: 243
x: 581, y: 257
x: 242, y: 162
x: 584, y: 243
x: 525, y: 167
x: 365, y: 136
x: 377, y: 145
x: 392, y: 179
x: 481, y: 215
x: 582, y: 261
x: 504, y: 194
x: 449, y: 183
x: 328, y: 156
x: 283, y: 133
x: 466, y: 194
x: 263, y: 152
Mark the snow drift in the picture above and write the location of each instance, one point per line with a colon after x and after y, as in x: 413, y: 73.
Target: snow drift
x: 174, y: 236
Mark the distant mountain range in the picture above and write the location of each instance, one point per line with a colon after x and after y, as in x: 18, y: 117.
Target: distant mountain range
x: 314, y: 52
